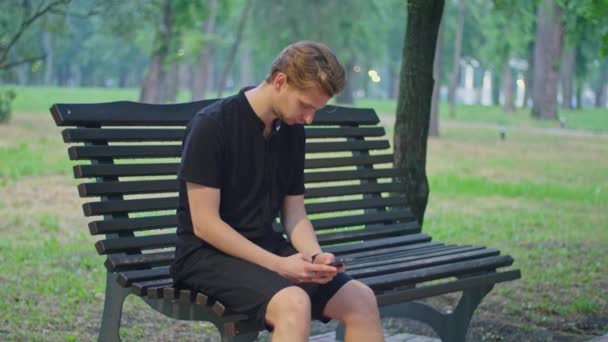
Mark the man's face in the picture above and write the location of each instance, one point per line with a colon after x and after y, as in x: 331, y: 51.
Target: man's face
x: 297, y: 106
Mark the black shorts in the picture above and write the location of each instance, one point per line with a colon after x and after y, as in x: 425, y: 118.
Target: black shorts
x: 245, y: 287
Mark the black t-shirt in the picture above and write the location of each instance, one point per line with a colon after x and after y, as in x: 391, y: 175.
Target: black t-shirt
x: 224, y: 147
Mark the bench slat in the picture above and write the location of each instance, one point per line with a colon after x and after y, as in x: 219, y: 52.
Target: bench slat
x: 371, y: 232
x: 132, y: 224
x: 419, y: 262
x: 71, y: 135
x: 393, y: 258
x: 126, y: 170
x: 367, y: 203
x: 128, y: 206
x: 132, y: 261
x: 345, y: 146
x: 390, y: 281
x: 170, y: 169
x: 128, y: 187
x: 124, y: 244
x: 129, y: 277
x: 331, y: 176
x: 379, y: 243
x: 171, y: 185
x: 386, y: 252
x: 348, y: 161
x: 174, y: 151
x: 133, y: 151
x: 343, y: 190
x: 355, y: 220
x: 170, y: 203
x: 128, y: 113
x: 141, y: 288
x: 343, y: 132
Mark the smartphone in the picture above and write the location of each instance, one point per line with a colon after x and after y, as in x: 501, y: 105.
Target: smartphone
x: 340, y: 262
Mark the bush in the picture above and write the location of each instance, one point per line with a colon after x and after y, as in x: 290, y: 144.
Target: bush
x: 6, y: 99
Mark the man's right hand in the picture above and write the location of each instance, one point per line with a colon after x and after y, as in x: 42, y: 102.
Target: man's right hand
x: 299, y: 268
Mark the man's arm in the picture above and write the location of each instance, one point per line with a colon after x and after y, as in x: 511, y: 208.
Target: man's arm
x: 302, y: 235
x: 298, y: 227
x: 204, y: 204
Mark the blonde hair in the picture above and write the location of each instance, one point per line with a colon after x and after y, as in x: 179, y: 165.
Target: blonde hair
x: 307, y: 64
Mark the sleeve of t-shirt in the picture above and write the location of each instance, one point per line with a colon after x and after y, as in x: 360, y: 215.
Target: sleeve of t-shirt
x: 201, y: 161
x: 297, y: 184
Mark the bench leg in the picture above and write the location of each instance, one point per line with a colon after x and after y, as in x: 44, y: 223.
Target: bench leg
x: 112, y: 309
x: 450, y: 327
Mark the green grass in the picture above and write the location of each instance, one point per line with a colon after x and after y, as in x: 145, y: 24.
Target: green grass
x: 538, y: 197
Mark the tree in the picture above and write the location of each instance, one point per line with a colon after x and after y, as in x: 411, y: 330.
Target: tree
x: 434, y: 122
x: 456, y: 59
x: 235, y: 45
x: 414, y: 102
x: 203, y: 66
x: 546, y: 59
x: 22, y: 17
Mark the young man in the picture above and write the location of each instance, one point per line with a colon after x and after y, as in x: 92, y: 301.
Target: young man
x: 243, y: 163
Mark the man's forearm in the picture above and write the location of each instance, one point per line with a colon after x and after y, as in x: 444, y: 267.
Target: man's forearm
x: 303, y: 238
x: 223, y: 237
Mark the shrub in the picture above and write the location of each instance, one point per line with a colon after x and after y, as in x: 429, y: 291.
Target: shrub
x: 6, y: 99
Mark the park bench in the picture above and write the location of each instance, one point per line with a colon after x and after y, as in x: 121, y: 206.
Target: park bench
x: 357, y: 209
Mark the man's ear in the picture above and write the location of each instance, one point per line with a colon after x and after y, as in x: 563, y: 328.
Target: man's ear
x: 279, y: 81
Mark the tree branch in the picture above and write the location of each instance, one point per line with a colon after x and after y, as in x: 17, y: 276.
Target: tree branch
x: 42, y: 10
x: 23, y: 61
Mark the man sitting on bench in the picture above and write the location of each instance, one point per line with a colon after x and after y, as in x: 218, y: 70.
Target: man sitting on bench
x: 242, y: 163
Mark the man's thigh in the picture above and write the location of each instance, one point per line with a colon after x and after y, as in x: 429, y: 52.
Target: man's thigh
x: 240, y: 285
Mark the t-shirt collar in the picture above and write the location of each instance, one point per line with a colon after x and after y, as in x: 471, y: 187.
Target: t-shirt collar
x: 250, y: 113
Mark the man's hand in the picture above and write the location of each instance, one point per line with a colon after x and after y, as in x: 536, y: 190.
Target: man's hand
x: 327, y: 258
x: 299, y: 269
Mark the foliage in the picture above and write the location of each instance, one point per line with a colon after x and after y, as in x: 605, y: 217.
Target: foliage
x: 6, y: 99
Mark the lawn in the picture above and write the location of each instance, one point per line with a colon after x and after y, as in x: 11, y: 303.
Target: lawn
x: 540, y: 196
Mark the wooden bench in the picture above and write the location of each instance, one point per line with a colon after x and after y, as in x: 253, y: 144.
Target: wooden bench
x: 356, y: 208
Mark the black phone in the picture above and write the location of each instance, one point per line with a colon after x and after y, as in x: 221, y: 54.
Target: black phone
x: 340, y: 262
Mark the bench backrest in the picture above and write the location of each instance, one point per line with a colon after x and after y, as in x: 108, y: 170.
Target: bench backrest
x: 133, y: 151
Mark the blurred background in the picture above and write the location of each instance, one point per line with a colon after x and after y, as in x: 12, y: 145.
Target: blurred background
x: 161, y: 51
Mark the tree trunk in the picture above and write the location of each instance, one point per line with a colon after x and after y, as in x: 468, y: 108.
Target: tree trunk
x: 48, y: 60
x: 434, y: 124
x: 152, y: 90
x: 528, y: 82
x: 579, y: 96
x: 235, y: 46
x: 245, y: 75
x: 567, y: 77
x: 495, y: 88
x: 508, y: 105
x: 456, y: 62
x: 22, y: 71
x: 346, y: 96
x: 171, y: 84
x: 414, y: 102
x: 201, y: 79
x: 600, y: 88
x: 546, y: 60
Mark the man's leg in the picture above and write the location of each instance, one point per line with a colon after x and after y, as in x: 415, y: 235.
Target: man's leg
x: 288, y: 312
x: 355, y: 305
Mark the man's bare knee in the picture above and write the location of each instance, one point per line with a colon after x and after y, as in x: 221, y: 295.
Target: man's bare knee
x: 290, y: 307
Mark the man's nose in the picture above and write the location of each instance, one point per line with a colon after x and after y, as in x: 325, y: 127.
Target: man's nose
x: 309, y: 118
